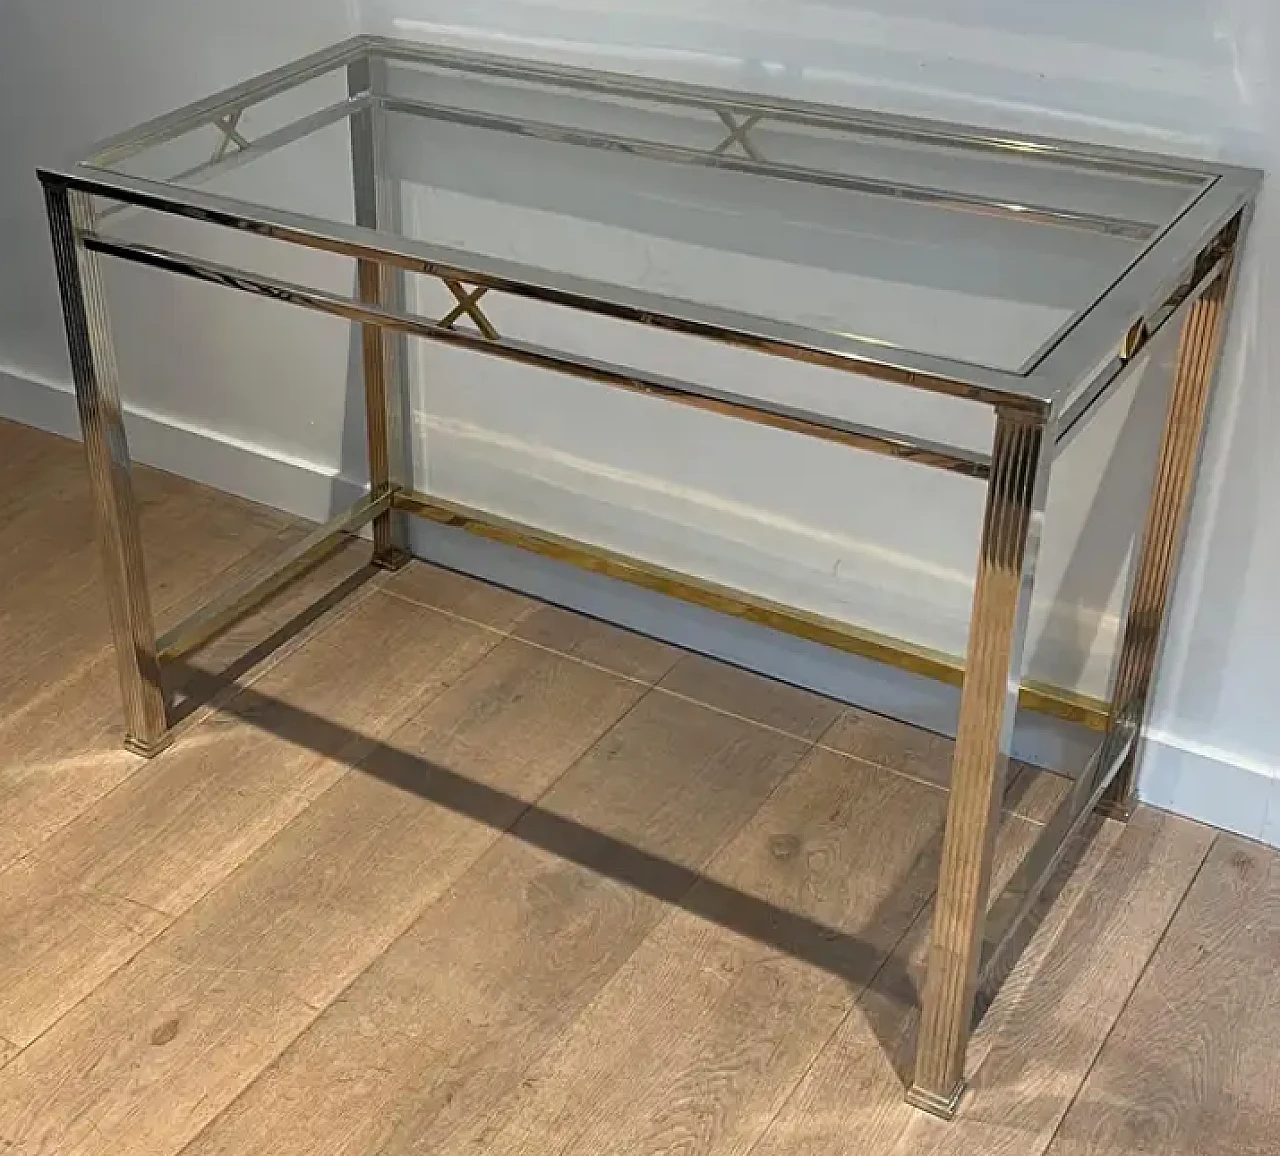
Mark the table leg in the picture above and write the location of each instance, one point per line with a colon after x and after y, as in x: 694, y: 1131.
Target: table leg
x: 1006, y: 564
x: 93, y: 366
x: 382, y: 352
x: 1198, y: 348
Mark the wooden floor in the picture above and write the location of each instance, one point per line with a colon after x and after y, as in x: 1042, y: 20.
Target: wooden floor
x: 447, y: 871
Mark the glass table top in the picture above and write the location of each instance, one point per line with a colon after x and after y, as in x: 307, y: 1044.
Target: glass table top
x: 928, y: 245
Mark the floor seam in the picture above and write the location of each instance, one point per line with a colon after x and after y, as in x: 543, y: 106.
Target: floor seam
x: 106, y: 648
x: 649, y: 684
x: 327, y: 621
x: 1008, y: 812
x: 409, y: 926
x: 808, y: 742
x: 9, y: 1051
x: 94, y: 889
x: 1128, y: 999
x: 187, y: 726
x: 230, y: 969
x: 884, y: 767
x: 344, y: 608
x: 669, y: 906
x: 814, y: 743
x: 506, y: 631
x: 514, y: 637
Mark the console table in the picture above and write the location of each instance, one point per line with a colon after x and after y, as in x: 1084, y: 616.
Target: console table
x: 1023, y: 275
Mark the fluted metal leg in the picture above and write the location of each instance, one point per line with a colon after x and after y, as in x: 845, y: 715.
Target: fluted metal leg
x: 1006, y: 564
x: 382, y: 352
x: 1199, y: 346
x: 93, y: 366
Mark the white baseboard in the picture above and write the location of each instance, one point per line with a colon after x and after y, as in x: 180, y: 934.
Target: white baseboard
x: 235, y: 466
x: 1215, y: 786
x: 835, y: 572
x: 43, y: 404
x: 1221, y: 788
x: 841, y: 676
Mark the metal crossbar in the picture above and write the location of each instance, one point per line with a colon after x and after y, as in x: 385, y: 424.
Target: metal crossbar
x: 235, y: 602
x: 467, y: 306
x: 227, y: 126
x: 738, y: 135
x: 1014, y: 916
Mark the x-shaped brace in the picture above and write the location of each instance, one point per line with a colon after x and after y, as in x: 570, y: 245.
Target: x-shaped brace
x: 230, y: 135
x: 467, y: 305
x: 738, y: 135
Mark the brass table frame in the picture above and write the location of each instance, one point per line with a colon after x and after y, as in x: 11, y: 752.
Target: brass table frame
x: 1183, y: 279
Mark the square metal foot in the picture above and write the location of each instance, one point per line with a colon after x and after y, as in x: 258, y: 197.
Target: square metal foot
x: 148, y: 750
x: 944, y: 1107
x: 395, y: 559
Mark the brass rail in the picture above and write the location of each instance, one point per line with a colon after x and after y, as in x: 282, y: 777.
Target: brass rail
x: 919, y: 660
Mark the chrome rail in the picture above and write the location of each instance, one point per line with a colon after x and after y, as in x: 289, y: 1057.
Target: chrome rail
x: 757, y: 166
x: 237, y: 600
x: 956, y: 459
x: 1011, y: 920
x: 228, y: 161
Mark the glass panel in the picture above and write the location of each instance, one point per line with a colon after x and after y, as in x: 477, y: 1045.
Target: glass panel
x: 310, y: 175
x: 959, y: 248
x: 194, y: 157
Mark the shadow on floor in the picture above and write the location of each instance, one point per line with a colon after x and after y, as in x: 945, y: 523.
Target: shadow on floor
x: 857, y: 963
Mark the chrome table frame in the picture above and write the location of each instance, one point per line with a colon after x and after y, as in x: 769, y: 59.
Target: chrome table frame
x: 1182, y: 280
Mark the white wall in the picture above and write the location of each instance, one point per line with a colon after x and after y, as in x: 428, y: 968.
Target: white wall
x: 75, y: 71
x: 1188, y: 76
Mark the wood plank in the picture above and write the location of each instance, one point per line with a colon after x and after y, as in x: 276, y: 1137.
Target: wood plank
x: 59, y: 699
x: 348, y: 687
x: 53, y: 611
x: 445, y: 1024
x: 1191, y: 1067
x: 695, y: 1044
x: 752, y: 696
x: 57, y: 941
x: 176, y: 1006
x: 1035, y: 793
x: 246, y: 650
x: 923, y: 755
x: 32, y: 465
x: 50, y: 556
x: 726, y: 1084
x: 163, y: 839
x: 372, y: 853
x: 598, y: 643
x: 28, y: 458
x: 908, y: 750
x: 236, y: 978
x: 67, y: 740
x: 1037, y: 1040
x: 1044, y: 1032
x: 458, y: 594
